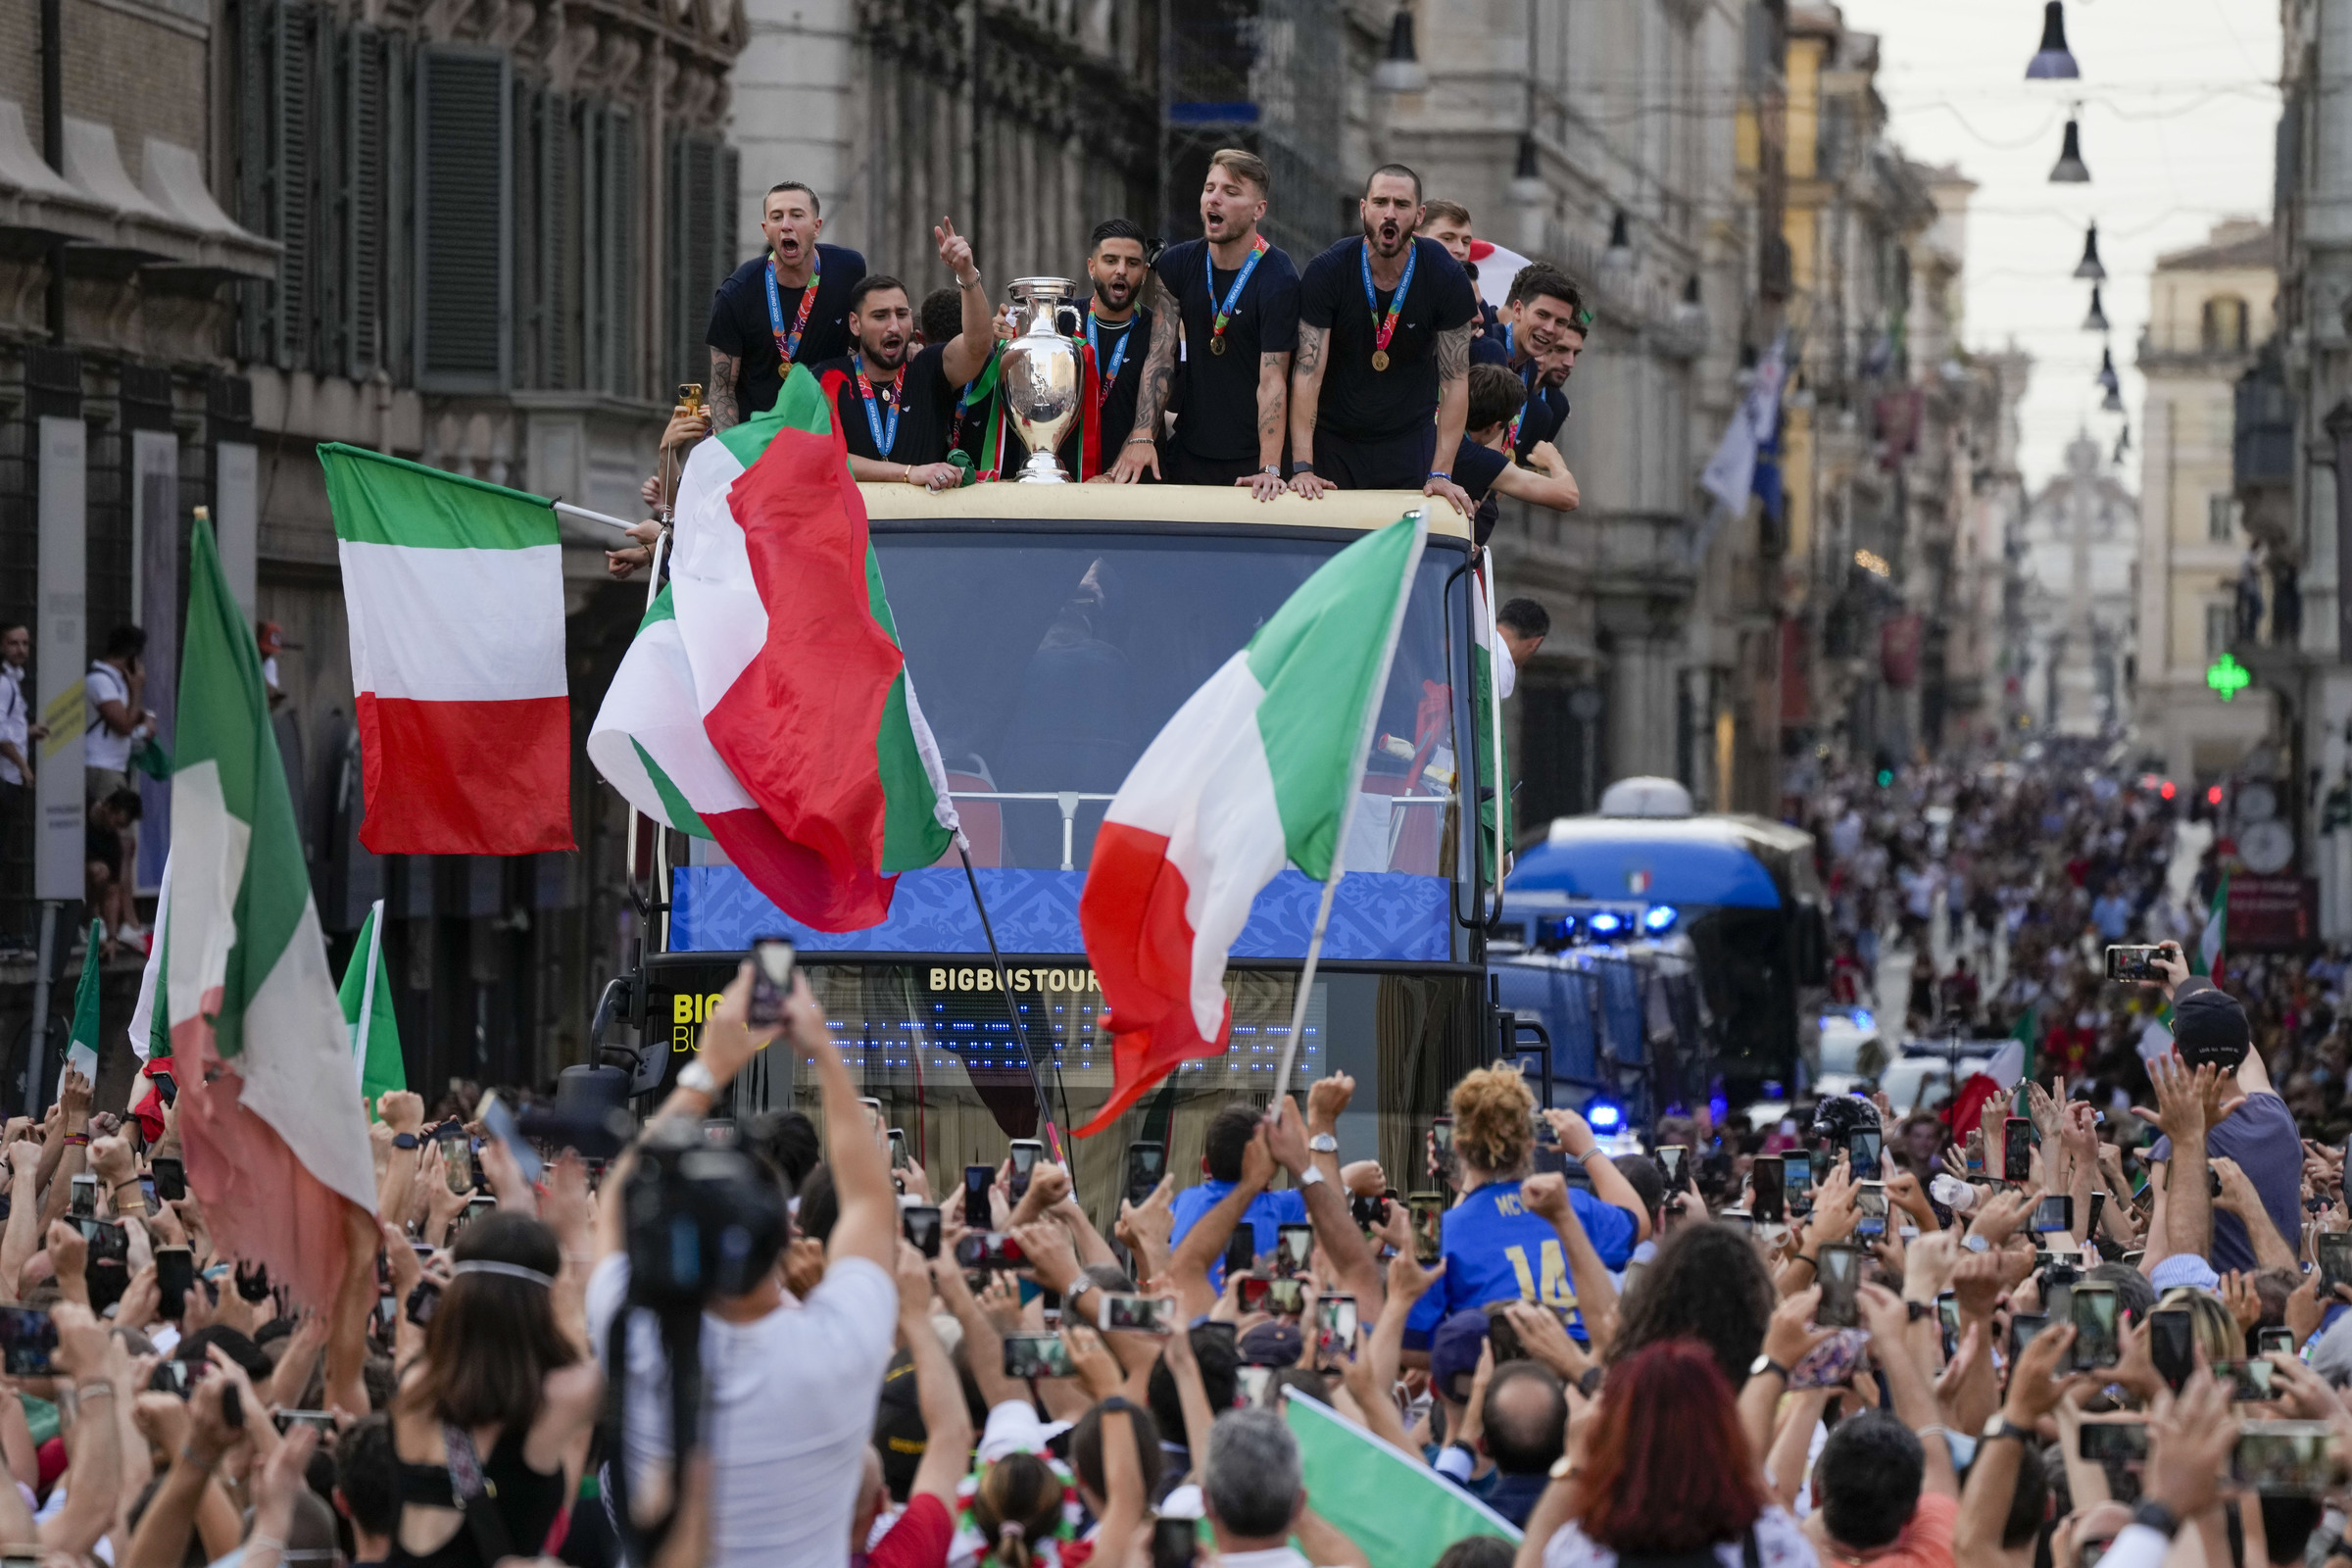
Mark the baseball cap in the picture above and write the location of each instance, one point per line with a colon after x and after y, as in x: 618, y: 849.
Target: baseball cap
x: 1454, y: 1347
x: 2209, y: 1026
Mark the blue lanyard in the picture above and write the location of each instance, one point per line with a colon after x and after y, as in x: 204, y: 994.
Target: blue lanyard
x: 1118, y: 357
x: 1382, y: 331
x: 786, y: 346
x: 884, y: 440
x: 1232, y: 295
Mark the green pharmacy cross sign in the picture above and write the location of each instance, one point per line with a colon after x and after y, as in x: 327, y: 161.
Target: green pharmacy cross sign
x: 2226, y: 676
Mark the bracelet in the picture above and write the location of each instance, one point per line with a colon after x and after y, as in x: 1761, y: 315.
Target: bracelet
x: 93, y: 1387
x: 910, y: 474
x: 119, y: 1185
x: 1300, y: 465
x: 1439, y: 474
x: 188, y: 1456
x: 1935, y: 1429
x: 972, y: 282
x: 81, y: 1139
x: 1809, y: 1261
x: 257, y: 1542
x: 1590, y: 1153
x: 1134, y: 436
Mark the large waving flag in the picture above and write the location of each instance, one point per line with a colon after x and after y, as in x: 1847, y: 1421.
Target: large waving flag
x: 649, y: 742
x: 796, y: 674
x: 1258, y: 768
x: 1399, y: 1511
x: 273, y: 1139
x: 455, y: 590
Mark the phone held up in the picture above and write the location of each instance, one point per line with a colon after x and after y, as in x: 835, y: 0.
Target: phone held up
x: 772, y: 981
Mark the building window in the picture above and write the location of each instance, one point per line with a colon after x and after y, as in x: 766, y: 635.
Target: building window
x: 2225, y: 325
x: 2221, y: 519
x: 2218, y: 629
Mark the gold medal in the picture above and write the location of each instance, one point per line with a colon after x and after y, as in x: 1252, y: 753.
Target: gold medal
x: 1380, y: 358
x: 1216, y: 343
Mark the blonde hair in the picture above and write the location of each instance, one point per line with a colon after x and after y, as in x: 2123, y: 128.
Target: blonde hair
x: 1493, y: 1120
x: 2210, y: 1322
x: 1245, y: 165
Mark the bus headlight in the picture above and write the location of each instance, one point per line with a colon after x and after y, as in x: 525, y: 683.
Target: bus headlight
x: 1659, y: 917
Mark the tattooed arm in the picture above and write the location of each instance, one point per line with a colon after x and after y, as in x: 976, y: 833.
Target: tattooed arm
x: 1306, y: 396
x: 723, y: 411
x: 1273, y: 394
x: 1142, y: 449
x: 1453, y: 410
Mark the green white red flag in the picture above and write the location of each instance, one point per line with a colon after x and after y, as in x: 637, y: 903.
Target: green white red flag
x: 1258, y: 767
x: 455, y: 591
x: 268, y: 1115
x: 366, y: 998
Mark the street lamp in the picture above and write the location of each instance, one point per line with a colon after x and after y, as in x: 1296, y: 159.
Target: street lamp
x: 1692, y: 314
x: 1618, y: 257
x: 1527, y: 188
x: 1400, y: 70
x: 2106, y: 376
x: 2097, y: 321
x: 2069, y: 168
x: 2090, y: 267
x: 2053, y: 59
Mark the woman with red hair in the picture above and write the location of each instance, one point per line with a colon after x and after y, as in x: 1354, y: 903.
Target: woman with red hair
x: 1664, y: 1475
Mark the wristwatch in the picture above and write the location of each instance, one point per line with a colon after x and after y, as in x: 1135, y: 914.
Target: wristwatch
x: 404, y: 1140
x: 1975, y: 1243
x: 1764, y: 1363
x: 697, y: 1077
x: 1300, y: 465
x: 1917, y: 1310
x: 1274, y: 468
x: 1999, y: 1426
x: 2157, y: 1517
x: 1324, y: 1143
x: 1311, y: 1176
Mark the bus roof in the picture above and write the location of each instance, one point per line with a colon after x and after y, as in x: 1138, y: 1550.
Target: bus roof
x: 1359, y: 509
x: 1712, y: 859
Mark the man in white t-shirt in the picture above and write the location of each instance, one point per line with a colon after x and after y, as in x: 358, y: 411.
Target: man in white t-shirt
x: 112, y: 692
x: 792, y: 1385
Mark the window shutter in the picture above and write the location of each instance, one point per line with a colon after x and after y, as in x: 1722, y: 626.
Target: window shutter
x: 702, y: 247
x: 621, y: 239
x: 556, y: 303
x: 363, y: 196
x: 397, y: 340
x: 463, y: 292
x: 287, y: 180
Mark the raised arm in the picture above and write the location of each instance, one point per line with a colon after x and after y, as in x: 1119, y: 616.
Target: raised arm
x: 1140, y: 452
x: 1546, y: 1197
x: 1204, y: 1242
x: 1342, y: 1244
x: 967, y: 352
x: 1307, y: 398
x: 946, y: 1421
x: 93, y: 1440
x: 1608, y: 1182
x: 1454, y: 409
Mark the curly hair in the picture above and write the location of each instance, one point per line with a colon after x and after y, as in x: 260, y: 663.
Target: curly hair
x: 1493, y: 1122
x: 1706, y: 1284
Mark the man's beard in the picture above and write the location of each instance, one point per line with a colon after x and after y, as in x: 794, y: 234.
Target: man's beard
x: 1120, y: 301
x: 1399, y: 237
x: 1214, y: 223
x: 887, y: 359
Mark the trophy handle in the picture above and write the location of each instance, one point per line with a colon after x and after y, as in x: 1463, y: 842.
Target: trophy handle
x: 1077, y: 326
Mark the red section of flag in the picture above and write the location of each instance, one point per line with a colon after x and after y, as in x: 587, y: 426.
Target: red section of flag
x: 801, y: 724
x: 465, y: 778
x: 1140, y: 947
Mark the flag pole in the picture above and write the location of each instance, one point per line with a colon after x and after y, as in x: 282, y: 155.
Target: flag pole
x: 1494, y: 651
x: 1021, y: 1030
x: 375, y: 945
x: 1356, y: 784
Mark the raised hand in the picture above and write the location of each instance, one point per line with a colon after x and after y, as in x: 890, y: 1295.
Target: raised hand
x: 955, y: 251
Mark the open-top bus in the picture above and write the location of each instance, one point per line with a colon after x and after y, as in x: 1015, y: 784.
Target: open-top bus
x: 1049, y: 631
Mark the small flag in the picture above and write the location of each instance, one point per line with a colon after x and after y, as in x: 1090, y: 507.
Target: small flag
x: 273, y: 1139
x: 1399, y: 1511
x: 1259, y: 766
x: 455, y: 590
x: 366, y: 998
x: 82, y: 1048
x: 2207, y: 960
x: 150, y: 1029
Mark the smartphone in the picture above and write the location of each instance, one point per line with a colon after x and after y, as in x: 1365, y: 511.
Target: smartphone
x: 2098, y: 1206
x: 2105, y: 1441
x: 2250, y: 1381
x: 1441, y: 1138
x: 476, y: 1208
x: 1253, y: 1293
x: 2093, y: 1312
x: 1147, y: 1163
x: 387, y: 1313
x: 1975, y: 1152
x: 898, y: 1149
x: 922, y: 1225
x: 1369, y: 1211
x: 424, y: 1297
x: 989, y: 1249
x: 1026, y: 1153
x: 323, y: 1420
x: 1947, y: 1318
x: 1293, y: 1245
x: 1241, y: 1249
x: 499, y: 1123
x: 2336, y: 1259
x: 2130, y: 963
x: 2275, y: 1342
x: 1869, y: 1209
x: 772, y: 981
x: 170, y: 1179
x: 1135, y: 1314
x: 2170, y: 1346
x: 1766, y: 1201
x: 1671, y: 1159
x: 109, y: 1241
x: 1286, y: 1296
x: 1254, y: 1381
x: 977, y: 1180
x: 1840, y: 1277
x: 2054, y: 1213
x: 166, y: 1088
x: 1797, y: 1183
x: 170, y: 1377
x: 2017, y: 1150
x: 2024, y: 1328
x: 1428, y: 1210
x: 27, y: 1337
x: 84, y: 1203
x: 2291, y: 1458
x: 1739, y: 1219
x: 1176, y: 1542
x: 174, y: 1272
x: 1503, y: 1334
x: 1336, y: 1319
x: 1035, y: 1355
x: 1862, y: 1148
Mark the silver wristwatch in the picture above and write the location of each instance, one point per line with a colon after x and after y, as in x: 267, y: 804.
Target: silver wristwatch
x: 697, y: 1077
x: 1323, y: 1144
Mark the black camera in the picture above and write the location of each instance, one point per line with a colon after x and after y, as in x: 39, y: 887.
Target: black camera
x: 705, y: 1219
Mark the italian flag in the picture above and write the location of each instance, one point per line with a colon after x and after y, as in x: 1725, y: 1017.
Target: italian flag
x: 455, y: 590
x: 274, y: 1142
x: 1492, y: 677
x: 151, y: 1018
x: 1258, y: 767
x: 771, y: 700
x: 366, y: 998
x: 2207, y: 959
x: 81, y: 1047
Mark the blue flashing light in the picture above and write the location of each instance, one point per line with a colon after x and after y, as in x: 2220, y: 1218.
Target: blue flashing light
x: 1604, y: 1116
x: 1865, y: 1020
x: 1660, y: 917
x: 1606, y: 922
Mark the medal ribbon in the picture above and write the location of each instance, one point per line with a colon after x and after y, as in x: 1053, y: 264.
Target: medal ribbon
x: 1118, y: 355
x: 1232, y: 295
x: 788, y: 344
x: 883, y: 440
x: 1384, y: 330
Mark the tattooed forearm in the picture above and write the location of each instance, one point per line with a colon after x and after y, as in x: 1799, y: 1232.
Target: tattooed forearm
x: 1159, y: 363
x: 723, y: 411
x: 1453, y: 353
x: 1273, y: 404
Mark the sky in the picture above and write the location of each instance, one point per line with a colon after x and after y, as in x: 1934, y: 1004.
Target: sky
x: 2178, y: 119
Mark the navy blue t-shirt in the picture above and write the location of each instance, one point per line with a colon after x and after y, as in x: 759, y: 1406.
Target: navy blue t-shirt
x: 1218, y: 418
x: 740, y: 325
x: 1358, y: 402
x: 1546, y: 408
x: 2262, y: 1137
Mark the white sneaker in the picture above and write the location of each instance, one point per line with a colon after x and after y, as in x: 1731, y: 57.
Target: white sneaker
x: 130, y: 935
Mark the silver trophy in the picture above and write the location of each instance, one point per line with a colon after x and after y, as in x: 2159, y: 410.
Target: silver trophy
x: 1041, y: 375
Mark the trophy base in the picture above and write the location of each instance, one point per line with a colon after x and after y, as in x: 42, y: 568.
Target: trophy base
x: 1041, y: 468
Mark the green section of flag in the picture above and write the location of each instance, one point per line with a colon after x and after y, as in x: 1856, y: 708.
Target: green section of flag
x: 81, y: 1047
x: 2026, y: 1033
x: 912, y: 833
x: 1493, y: 771
x: 368, y: 1015
x: 800, y: 405
x: 1322, y: 659
x: 2211, y: 941
x: 1399, y: 1511
x: 389, y: 501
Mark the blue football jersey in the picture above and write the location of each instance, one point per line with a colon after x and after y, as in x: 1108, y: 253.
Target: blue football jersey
x: 1496, y: 1250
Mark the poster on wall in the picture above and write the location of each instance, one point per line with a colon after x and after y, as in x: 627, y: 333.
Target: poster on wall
x: 61, y: 650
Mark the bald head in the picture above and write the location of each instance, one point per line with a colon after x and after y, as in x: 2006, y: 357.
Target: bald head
x: 1526, y: 1418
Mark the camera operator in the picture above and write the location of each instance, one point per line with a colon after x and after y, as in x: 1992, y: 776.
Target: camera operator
x: 791, y: 1390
